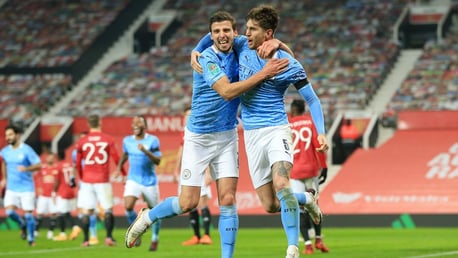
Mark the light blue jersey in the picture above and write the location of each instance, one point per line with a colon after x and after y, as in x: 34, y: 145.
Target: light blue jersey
x: 24, y: 155
x: 141, y: 168
x: 267, y: 108
x: 210, y: 113
x: 263, y: 105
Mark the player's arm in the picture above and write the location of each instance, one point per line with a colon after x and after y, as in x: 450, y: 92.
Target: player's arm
x: 114, y: 154
x: 265, y: 50
x: 156, y: 159
x: 122, y: 160
x: 3, y: 171
x: 229, y: 90
x: 304, y: 87
x: 270, y: 46
x: 78, y: 163
x: 31, y: 168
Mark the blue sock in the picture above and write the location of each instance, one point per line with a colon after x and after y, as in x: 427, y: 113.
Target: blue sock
x: 168, y: 208
x: 228, y: 228
x: 30, y: 221
x: 12, y: 214
x: 131, y: 215
x: 93, y: 225
x: 301, y: 198
x: 155, y: 228
x: 289, y: 215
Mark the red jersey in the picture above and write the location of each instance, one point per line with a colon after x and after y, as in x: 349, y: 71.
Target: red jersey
x: 307, y: 161
x: 95, y: 150
x: 45, y: 179
x: 65, y: 172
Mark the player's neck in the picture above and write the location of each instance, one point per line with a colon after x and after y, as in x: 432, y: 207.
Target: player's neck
x: 95, y: 130
x: 16, y: 145
x: 140, y: 136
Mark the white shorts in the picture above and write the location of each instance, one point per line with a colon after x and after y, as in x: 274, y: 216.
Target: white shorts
x: 65, y: 205
x: 46, y: 205
x: 218, y: 151
x: 264, y: 147
x: 91, y: 194
x: 150, y: 193
x: 301, y: 185
x: 22, y: 200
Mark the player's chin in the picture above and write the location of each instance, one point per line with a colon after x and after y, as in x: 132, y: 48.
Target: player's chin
x: 224, y: 47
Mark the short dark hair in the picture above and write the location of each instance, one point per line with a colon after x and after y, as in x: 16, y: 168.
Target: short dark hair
x: 221, y: 16
x: 299, y: 105
x: 142, y: 118
x: 266, y: 15
x: 16, y: 128
x: 94, y: 121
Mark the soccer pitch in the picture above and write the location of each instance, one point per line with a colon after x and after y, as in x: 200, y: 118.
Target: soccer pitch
x: 251, y: 242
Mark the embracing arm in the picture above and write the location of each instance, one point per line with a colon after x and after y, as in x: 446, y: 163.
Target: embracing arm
x: 230, y: 91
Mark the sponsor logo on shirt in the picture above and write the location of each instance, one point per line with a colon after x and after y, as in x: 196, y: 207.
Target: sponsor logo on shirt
x: 213, y: 69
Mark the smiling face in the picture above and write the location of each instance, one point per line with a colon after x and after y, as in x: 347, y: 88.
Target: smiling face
x: 222, y: 34
x: 138, y: 126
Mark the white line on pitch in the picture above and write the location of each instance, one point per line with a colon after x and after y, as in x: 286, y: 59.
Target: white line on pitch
x: 435, y: 255
x: 46, y: 251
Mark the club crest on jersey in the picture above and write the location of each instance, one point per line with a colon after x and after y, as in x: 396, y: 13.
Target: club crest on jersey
x: 186, y: 174
x: 213, y: 68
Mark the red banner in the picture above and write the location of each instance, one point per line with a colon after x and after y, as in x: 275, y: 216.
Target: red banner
x: 414, y: 172
x: 429, y: 120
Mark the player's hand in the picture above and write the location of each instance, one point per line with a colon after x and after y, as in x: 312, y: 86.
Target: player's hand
x: 3, y: 183
x: 141, y: 147
x: 195, y: 61
x: 21, y: 168
x: 323, y: 143
x: 275, y: 66
x: 323, y: 175
x: 72, y: 182
x: 116, y: 176
x: 268, y: 48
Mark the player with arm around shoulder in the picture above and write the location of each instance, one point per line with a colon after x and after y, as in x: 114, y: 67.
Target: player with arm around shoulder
x: 266, y: 130
x: 211, y: 138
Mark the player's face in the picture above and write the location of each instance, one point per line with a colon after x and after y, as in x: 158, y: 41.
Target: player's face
x: 11, y: 137
x: 222, y: 35
x: 50, y: 159
x: 138, y: 125
x: 255, y: 34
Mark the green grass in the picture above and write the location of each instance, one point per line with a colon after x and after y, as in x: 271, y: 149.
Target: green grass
x: 266, y: 243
